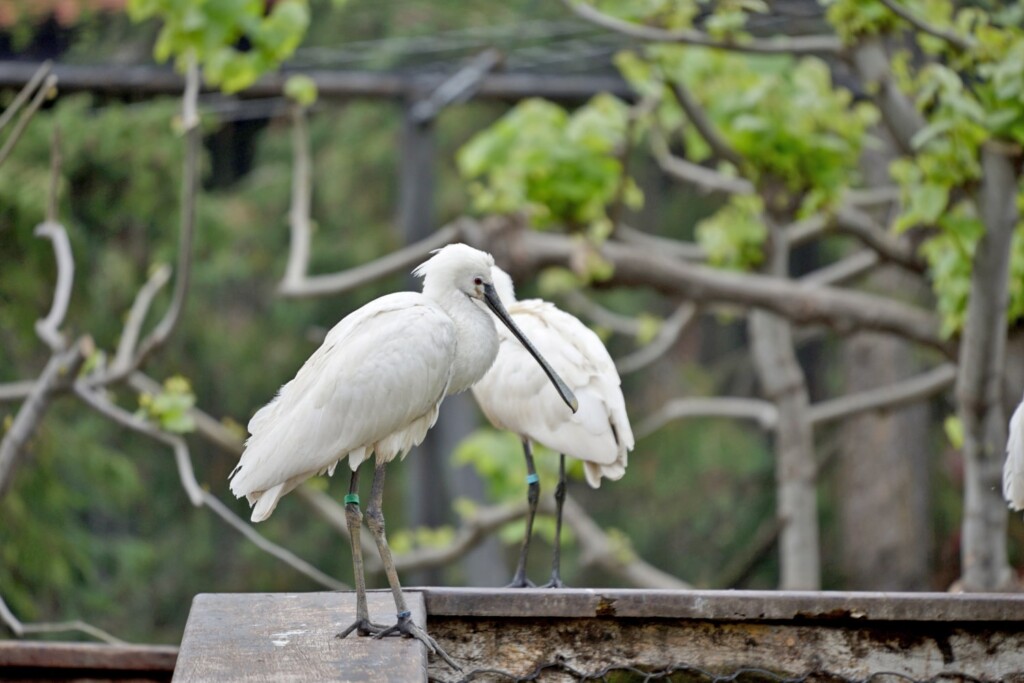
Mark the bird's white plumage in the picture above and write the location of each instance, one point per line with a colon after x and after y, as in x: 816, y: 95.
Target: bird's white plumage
x: 1013, y: 469
x: 376, y: 383
x: 516, y: 396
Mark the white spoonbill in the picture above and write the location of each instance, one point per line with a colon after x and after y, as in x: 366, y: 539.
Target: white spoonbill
x: 375, y: 386
x: 513, y: 397
x: 1013, y: 469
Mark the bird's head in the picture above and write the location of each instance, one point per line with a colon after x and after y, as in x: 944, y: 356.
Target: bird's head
x: 457, y: 267
x: 460, y: 268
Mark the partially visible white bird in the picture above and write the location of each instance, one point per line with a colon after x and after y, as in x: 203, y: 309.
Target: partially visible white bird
x: 1013, y: 469
x: 375, y: 386
x: 514, y: 397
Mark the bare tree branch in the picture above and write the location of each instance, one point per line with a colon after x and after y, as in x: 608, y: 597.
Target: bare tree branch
x: 25, y: 93
x: 889, y: 397
x: 870, y: 196
x: 48, y: 328
x: 16, y: 391
x: 807, y: 229
x: 758, y: 410
x: 844, y: 270
x: 616, y: 322
x: 872, y: 64
x: 706, y: 179
x: 301, y: 229
x: 269, y: 547
x: 688, y: 251
x: 47, y: 88
x: 862, y: 226
x: 405, y: 258
x: 123, y: 359
x: 699, y: 118
x: 189, y: 191
x: 197, y: 495
x: 597, y: 548
x: 843, y: 310
x: 21, y: 629
x: 755, y: 551
x: 962, y: 43
x: 802, y: 304
x: 118, y: 415
x: 824, y: 44
x: 59, y: 372
x: 471, y: 532
x: 664, y: 340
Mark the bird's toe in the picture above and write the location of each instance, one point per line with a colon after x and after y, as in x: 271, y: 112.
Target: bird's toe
x: 363, y: 627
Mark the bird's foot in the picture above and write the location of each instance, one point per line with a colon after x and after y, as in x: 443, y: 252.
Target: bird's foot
x: 363, y: 627
x: 405, y: 627
x: 521, y: 582
x: 555, y: 582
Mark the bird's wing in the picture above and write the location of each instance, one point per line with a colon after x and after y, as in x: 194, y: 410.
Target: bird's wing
x: 1013, y: 469
x: 379, y: 370
x: 517, y: 395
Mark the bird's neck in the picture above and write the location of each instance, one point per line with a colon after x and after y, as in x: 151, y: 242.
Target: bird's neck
x: 477, y: 340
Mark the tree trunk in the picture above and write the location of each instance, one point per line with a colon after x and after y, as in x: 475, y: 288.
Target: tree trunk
x: 783, y: 382
x: 979, y: 384
x: 883, y: 473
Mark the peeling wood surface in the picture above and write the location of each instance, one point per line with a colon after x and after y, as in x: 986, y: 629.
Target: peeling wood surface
x: 291, y: 637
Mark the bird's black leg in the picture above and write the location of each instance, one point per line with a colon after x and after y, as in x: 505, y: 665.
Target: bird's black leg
x: 532, y: 496
x: 405, y: 625
x: 556, y: 558
x: 354, y: 519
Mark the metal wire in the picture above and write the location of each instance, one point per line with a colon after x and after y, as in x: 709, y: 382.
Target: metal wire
x: 692, y: 674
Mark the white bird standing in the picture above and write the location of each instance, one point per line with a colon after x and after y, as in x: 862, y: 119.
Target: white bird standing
x: 375, y: 386
x: 1013, y: 469
x: 513, y: 397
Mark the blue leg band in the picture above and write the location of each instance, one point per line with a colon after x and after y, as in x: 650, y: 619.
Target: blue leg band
x: 404, y: 615
x: 532, y: 478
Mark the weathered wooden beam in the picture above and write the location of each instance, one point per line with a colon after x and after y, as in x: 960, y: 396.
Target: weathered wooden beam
x: 148, y: 81
x: 24, y: 660
x: 234, y: 637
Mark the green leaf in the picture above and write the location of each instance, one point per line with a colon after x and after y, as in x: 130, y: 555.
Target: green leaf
x: 301, y: 88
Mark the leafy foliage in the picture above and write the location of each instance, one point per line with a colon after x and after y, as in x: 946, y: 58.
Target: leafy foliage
x: 734, y: 236
x: 979, y: 98
x: 235, y: 41
x: 557, y: 168
x: 169, y: 409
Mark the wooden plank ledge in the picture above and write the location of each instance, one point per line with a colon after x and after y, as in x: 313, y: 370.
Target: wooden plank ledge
x: 28, y: 660
x: 234, y: 637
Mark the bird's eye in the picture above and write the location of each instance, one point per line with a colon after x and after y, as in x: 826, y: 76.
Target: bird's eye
x: 478, y: 281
